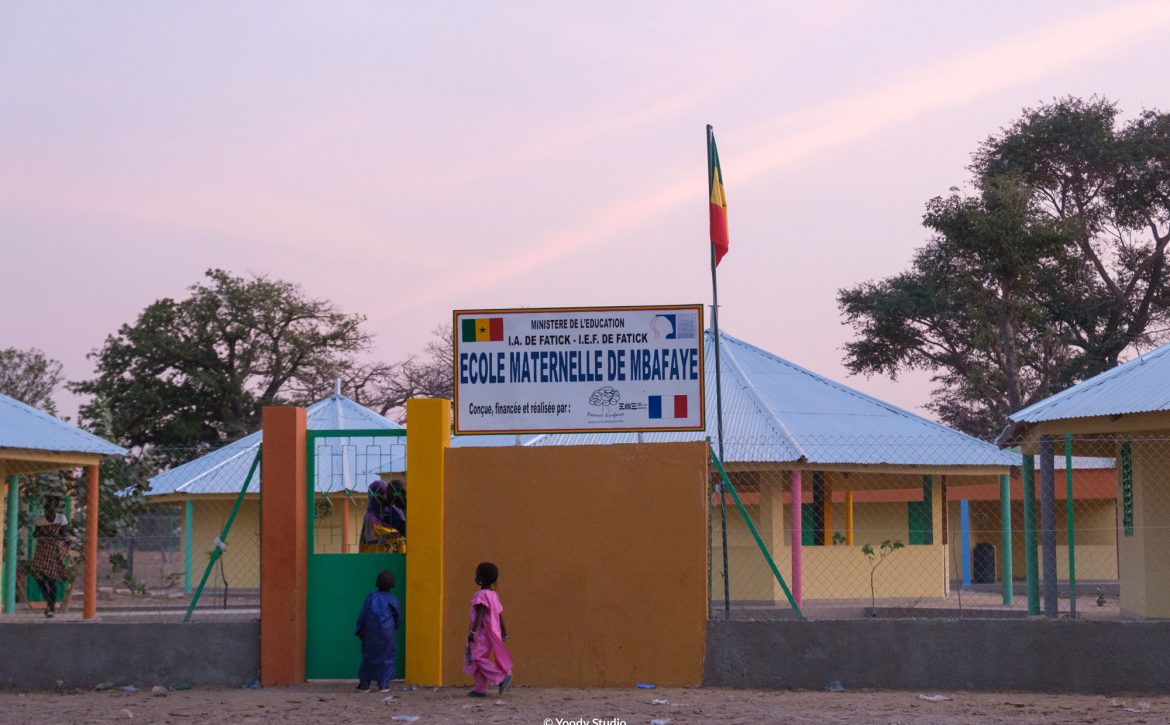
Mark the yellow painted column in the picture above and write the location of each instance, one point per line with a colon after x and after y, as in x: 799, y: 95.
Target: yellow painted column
x: 428, y: 434
x: 827, y: 509
x: 938, y: 515
x: 849, y: 518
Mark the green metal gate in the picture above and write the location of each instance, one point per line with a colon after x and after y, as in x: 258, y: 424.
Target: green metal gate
x: 341, y: 464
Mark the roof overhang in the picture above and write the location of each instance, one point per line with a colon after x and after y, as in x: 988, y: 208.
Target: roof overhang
x: 875, y: 468
x: 1027, y: 435
x: 21, y: 461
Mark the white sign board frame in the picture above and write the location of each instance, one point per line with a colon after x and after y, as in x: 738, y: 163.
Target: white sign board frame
x: 579, y: 369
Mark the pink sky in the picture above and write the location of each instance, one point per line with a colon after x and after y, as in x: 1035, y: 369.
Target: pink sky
x: 407, y: 159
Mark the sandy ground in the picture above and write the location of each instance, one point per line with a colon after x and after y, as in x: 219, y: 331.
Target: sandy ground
x: 338, y: 703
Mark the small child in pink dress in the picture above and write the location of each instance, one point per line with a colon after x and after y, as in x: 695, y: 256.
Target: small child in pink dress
x: 486, y: 658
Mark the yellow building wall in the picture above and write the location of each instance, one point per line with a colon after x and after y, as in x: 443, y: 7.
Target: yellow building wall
x: 1096, y: 536
x: 1145, y: 556
x: 241, y: 559
x: 828, y: 572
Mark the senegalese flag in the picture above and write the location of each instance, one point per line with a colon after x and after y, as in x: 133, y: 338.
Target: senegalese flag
x: 482, y: 329
x: 719, y: 239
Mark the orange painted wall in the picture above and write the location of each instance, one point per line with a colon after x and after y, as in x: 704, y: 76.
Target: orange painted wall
x: 602, y: 555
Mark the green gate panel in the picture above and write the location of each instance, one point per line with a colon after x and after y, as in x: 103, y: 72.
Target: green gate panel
x: 808, y: 525
x: 921, y: 514
x: 338, y: 584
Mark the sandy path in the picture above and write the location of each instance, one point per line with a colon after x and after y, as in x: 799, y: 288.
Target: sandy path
x: 337, y: 703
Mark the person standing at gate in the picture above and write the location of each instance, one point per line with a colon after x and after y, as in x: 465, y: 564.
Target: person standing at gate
x: 50, y: 559
x: 487, y: 658
x: 378, y: 532
x: 377, y: 626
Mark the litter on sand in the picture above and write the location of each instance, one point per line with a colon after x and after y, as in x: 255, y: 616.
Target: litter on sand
x: 103, y: 686
x: 659, y: 702
x: 388, y: 699
x: 159, y: 691
x: 835, y: 686
x: 129, y: 688
x: 645, y: 685
x: 405, y: 718
x: 1140, y: 707
x: 934, y: 698
x: 664, y: 721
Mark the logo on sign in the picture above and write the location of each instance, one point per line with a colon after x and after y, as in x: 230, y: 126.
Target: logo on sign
x: 604, y: 397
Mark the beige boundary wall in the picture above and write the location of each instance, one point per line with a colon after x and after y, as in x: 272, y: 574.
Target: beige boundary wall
x: 602, y: 556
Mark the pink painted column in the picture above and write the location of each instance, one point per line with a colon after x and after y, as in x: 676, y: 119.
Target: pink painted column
x: 797, y: 552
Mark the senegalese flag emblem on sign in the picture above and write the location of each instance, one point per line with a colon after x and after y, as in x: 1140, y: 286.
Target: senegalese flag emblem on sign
x: 482, y: 329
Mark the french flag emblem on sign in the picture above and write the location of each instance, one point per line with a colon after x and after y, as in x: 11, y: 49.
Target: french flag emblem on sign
x: 660, y: 410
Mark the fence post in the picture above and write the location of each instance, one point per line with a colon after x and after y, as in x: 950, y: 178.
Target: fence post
x: 1005, y: 526
x: 797, y: 551
x: 1072, y: 539
x: 1028, y: 473
x: 188, y: 534
x: 93, y: 479
x: 965, y: 539
x: 10, y: 542
x: 1048, y: 525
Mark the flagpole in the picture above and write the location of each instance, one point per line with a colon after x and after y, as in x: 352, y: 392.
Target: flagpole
x: 718, y: 398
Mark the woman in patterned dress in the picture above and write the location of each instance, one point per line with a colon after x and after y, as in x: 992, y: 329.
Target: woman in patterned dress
x: 51, y: 553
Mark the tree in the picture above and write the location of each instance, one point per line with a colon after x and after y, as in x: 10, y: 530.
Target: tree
x: 196, y: 372
x: 875, y: 559
x: 1043, y: 276
x: 386, y: 387
x: 30, y: 376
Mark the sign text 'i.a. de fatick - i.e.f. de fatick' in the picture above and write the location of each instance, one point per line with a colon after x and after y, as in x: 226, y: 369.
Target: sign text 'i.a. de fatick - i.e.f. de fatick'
x: 582, y: 369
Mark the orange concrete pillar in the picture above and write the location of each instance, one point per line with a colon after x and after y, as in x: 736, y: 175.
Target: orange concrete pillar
x: 93, y: 480
x: 283, y: 547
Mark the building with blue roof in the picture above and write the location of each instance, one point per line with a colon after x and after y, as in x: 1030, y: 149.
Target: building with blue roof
x: 1122, y: 413
x: 208, y: 486
x: 863, y: 470
x: 32, y: 441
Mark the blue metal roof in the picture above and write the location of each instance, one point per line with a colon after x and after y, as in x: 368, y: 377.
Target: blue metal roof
x: 23, y: 426
x: 348, y: 463
x: 776, y: 411
x: 1138, y: 386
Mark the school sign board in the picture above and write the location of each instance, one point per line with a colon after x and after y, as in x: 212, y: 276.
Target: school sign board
x: 579, y: 369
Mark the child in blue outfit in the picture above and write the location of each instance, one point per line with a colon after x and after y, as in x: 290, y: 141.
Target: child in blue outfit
x: 377, y: 626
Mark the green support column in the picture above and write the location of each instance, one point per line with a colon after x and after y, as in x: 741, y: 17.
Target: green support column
x: 1072, y: 539
x: 188, y: 525
x: 10, y: 539
x: 1029, y: 475
x: 1005, y: 525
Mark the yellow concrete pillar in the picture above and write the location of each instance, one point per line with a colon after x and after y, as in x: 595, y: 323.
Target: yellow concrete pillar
x: 938, y: 514
x: 772, y: 527
x: 428, y: 434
